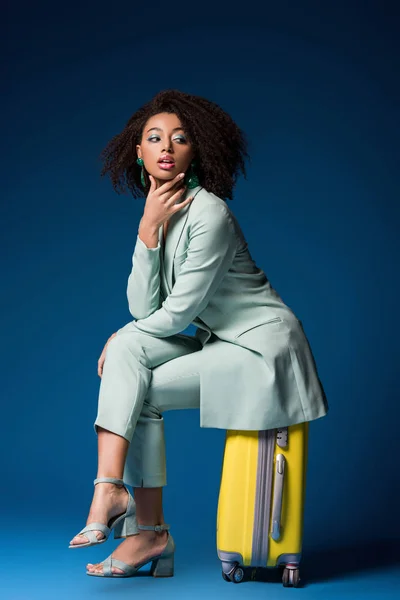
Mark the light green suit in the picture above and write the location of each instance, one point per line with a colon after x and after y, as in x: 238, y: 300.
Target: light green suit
x: 257, y: 370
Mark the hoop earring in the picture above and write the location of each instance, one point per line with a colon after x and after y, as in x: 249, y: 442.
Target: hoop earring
x: 191, y: 179
x: 142, y: 179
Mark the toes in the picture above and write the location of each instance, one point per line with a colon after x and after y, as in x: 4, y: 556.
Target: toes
x: 98, y: 568
x: 79, y: 539
x: 82, y: 539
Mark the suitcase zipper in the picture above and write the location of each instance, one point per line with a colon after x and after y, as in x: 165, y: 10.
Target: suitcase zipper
x: 282, y: 440
x: 266, y: 448
x: 278, y: 495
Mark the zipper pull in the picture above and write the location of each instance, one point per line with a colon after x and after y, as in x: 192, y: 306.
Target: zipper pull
x: 278, y: 496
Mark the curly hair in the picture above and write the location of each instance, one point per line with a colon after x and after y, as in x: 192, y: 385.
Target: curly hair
x: 219, y: 145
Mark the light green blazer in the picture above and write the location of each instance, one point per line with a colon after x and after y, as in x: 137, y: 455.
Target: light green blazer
x: 261, y: 373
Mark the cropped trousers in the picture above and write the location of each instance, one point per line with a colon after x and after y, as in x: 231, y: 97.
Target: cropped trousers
x: 143, y: 376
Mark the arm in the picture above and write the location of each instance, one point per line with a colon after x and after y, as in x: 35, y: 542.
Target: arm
x: 211, y: 249
x: 143, y: 289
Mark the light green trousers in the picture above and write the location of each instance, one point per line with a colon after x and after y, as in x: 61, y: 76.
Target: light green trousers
x: 143, y: 376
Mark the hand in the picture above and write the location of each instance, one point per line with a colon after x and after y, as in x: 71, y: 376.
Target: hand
x: 160, y: 202
x: 102, y: 358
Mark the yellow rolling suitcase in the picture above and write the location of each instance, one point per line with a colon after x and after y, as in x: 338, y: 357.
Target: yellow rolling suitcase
x: 261, y: 502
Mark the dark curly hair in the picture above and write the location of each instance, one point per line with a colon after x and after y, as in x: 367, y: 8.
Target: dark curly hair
x: 219, y: 145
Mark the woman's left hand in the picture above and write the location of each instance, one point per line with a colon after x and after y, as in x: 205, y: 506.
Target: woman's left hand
x: 102, y: 358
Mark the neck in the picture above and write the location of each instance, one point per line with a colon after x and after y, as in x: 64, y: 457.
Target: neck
x: 159, y: 182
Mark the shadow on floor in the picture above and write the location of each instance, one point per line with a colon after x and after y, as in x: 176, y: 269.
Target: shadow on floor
x: 331, y: 563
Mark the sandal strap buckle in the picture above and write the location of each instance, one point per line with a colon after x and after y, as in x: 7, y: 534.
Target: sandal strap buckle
x: 158, y: 528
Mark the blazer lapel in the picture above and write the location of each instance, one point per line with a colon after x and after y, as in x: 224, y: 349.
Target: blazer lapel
x: 169, y: 245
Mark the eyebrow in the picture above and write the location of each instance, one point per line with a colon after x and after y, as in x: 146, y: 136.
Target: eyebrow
x: 159, y: 129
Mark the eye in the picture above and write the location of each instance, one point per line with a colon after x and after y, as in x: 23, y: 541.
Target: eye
x: 155, y: 138
x: 180, y: 139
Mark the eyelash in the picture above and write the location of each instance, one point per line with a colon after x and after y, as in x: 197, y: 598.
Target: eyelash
x: 150, y: 139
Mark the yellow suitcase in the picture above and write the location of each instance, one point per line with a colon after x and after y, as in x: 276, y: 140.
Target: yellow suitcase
x: 261, y: 502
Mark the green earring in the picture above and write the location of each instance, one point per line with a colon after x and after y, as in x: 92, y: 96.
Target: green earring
x: 140, y: 162
x: 191, y: 179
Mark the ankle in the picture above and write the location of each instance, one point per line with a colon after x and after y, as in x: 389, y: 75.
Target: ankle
x: 109, y: 489
x: 153, y: 536
x: 101, y: 475
x: 152, y: 532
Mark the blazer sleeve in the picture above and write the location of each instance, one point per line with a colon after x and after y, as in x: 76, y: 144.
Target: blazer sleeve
x: 143, y: 289
x: 211, y: 250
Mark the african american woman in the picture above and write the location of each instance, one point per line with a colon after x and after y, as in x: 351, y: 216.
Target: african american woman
x: 249, y: 365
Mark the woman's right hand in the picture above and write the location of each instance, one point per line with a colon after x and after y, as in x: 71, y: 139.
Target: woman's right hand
x: 160, y: 202
x: 102, y: 358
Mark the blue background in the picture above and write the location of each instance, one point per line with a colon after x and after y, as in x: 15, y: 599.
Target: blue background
x: 315, y: 87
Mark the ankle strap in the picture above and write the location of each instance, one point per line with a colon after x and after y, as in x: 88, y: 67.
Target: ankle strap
x: 163, y: 527
x: 109, y: 480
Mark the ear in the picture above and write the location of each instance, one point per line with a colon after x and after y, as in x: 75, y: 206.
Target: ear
x: 138, y: 151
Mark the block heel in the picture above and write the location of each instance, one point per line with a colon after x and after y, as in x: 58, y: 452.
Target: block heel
x: 163, y: 567
x: 126, y: 527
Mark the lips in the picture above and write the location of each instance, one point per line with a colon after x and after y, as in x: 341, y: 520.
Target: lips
x: 166, y: 166
x: 166, y: 160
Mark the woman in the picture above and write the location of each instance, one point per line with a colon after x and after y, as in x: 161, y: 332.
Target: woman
x: 249, y: 366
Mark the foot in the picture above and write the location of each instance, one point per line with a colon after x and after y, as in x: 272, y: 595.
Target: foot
x: 109, y: 501
x: 136, y: 549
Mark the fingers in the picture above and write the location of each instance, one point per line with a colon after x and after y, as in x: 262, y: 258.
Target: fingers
x: 172, y: 199
x: 100, y: 367
x: 102, y: 358
x: 168, y: 185
x: 100, y: 362
x: 183, y: 204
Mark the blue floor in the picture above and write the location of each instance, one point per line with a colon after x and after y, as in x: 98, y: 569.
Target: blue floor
x: 39, y: 566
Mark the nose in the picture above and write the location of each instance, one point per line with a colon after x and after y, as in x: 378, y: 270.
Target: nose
x: 168, y: 145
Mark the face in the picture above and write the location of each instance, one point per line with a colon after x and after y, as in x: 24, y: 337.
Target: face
x: 163, y: 134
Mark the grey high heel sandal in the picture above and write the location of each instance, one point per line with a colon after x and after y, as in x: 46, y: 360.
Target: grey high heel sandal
x: 162, y: 564
x: 123, y: 525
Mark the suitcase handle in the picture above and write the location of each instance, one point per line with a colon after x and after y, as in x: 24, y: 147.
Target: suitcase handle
x: 278, y: 496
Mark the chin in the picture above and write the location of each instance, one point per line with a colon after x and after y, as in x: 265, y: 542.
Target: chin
x: 165, y: 176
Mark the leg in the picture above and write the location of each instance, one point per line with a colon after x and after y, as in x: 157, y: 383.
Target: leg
x: 109, y: 500
x: 126, y: 378
x: 175, y: 385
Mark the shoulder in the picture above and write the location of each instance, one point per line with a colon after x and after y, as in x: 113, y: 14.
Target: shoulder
x: 206, y: 206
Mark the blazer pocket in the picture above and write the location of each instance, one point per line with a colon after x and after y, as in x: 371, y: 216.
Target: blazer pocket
x: 273, y: 320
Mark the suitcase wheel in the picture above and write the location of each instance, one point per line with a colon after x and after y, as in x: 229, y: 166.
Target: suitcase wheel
x: 236, y: 574
x: 291, y: 577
